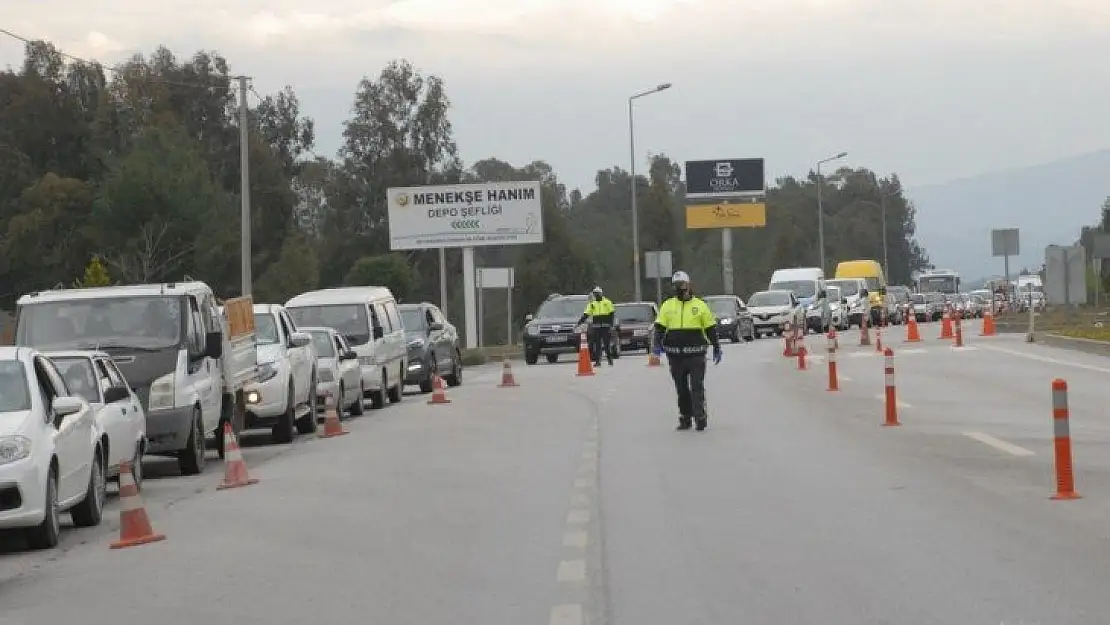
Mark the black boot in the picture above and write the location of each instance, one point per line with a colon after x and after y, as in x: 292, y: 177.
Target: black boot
x: 702, y: 423
x: 683, y: 423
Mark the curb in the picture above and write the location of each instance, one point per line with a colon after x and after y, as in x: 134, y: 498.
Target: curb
x: 1088, y: 346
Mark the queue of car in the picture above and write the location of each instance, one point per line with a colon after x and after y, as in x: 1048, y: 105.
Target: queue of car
x: 101, y: 376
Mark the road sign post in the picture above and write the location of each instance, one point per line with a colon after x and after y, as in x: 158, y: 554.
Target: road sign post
x: 1100, y: 249
x: 727, y: 194
x: 495, y: 278
x: 1005, y: 242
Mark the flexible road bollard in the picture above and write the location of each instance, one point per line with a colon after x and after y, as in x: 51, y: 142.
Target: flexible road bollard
x: 891, y: 395
x: 1065, y: 477
x: 802, y: 358
x: 879, y: 340
x: 834, y: 384
x: 864, y: 338
x: 959, y: 330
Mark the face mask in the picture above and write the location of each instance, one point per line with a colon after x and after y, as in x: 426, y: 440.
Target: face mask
x: 682, y: 291
x: 597, y: 296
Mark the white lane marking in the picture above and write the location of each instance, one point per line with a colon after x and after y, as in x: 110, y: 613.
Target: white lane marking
x: 583, y: 482
x: 569, y: 614
x: 965, y: 348
x: 578, y: 517
x: 912, y: 350
x: 587, y: 468
x: 576, y: 539
x: 843, y: 378
x: 571, y: 571
x: 899, y: 402
x: 1047, y: 359
x: 579, y: 500
x: 999, y: 444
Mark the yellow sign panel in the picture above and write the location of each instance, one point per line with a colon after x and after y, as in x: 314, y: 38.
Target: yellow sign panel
x: 702, y: 216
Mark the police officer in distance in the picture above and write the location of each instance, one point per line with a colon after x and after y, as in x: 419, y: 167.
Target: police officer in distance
x: 600, y: 312
x: 684, y: 329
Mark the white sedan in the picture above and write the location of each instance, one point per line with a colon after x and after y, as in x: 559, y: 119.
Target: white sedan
x: 50, y: 455
x: 93, y: 377
x: 337, y: 370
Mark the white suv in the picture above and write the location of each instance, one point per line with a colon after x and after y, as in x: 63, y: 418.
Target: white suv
x: 285, y: 396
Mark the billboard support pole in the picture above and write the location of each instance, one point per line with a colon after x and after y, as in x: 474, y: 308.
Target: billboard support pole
x: 443, y: 279
x: 658, y: 278
x: 726, y: 260
x: 1006, y: 272
x: 469, y: 303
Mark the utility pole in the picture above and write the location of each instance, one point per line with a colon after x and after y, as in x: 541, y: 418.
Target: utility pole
x: 245, y: 189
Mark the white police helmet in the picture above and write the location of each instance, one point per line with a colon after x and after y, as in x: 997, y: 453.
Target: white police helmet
x: 597, y: 290
x: 680, y: 276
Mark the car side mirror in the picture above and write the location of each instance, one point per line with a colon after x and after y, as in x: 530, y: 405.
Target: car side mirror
x: 299, y: 339
x: 882, y: 290
x: 349, y: 355
x: 528, y: 318
x: 863, y: 293
x: 213, y: 345
x: 113, y: 394
x: 823, y: 294
x: 844, y: 300
x: 435, y: 327
x: 66, y: 406
x: 379, y: 332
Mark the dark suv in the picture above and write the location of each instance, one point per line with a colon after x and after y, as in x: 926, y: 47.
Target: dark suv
x: 550, y: 331
x: 433, y: 346
x: 635, y: 322
x: 734, y: 322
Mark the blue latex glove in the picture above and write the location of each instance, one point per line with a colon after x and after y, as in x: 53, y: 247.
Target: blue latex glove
x: 657, y: 350
x: 717, y: 353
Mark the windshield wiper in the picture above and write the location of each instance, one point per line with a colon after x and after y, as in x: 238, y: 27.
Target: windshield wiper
x: 117, y: 345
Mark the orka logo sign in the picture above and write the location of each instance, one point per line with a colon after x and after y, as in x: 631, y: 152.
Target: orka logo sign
x: 466, y: 224
x: 403, y: 200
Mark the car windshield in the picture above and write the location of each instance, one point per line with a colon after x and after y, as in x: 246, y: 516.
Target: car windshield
x: 872, y: 283
x: 565, y: 308
x: 800, y: 288
x: 769, y: 298
x: 917, y: 298
x: 15, y: 396
x: 322, y: 342
x: 350, y: 320
x: 899, y: 294
x: 79, y: 376
x: 833, y: 293
x: 847, y: 287
x: 722, y: 306
x: 150, y: 323
x: 265, y: 329
x: 413, y: 319
x: 634, y: 313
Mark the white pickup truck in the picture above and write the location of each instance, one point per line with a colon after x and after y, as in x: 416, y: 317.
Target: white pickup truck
x: 284, y: 396
x: 187, y: 362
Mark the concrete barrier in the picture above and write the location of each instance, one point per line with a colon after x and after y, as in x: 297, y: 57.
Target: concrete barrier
x: 1089, y: 346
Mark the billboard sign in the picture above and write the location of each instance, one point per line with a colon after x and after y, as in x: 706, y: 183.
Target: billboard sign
x: 465, y: 215
x: 725, y: 178
x: 1005, y: 242
x: 703, y: 216
x: 657, y: 265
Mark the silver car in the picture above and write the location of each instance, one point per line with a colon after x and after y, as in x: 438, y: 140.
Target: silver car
x: 773, y: 310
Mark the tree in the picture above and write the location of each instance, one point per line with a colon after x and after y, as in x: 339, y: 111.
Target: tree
x: 388, y: 270
x: 295, y: 271
x: 95, y: 275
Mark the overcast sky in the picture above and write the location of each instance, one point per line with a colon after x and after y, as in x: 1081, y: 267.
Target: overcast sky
x: 930, y: 89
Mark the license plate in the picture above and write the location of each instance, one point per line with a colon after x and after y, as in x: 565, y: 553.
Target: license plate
x: 626, y: 341
x: 555, y: 339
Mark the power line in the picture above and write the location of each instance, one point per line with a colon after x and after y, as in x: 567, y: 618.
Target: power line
x: 119, y: 69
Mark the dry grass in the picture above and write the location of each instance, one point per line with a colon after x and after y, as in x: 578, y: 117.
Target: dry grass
x: 1063, y: 320
x: 482, y: 355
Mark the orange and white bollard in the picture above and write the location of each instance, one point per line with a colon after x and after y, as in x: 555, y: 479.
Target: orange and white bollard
x: 834, y: 384
x: 788, y: 338
x: 959, y: 331
x: 864, y: 335
x: 1065, y: 476
x: 879, y: 340
x: 802, y: 358
x: 891, y: 395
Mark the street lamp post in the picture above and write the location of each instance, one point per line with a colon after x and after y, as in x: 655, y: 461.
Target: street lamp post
x: 635, y: 212
x: 820, y: 208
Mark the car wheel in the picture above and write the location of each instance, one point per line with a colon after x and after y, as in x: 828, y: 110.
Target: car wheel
x: 91, y: 509
x: 531, y: 359
x: 282, y: 432
x: 46, y: 534
x: 377, y: 398
x: 455, y: 377
x: 357, y: 409
x: 397, y: 393
x: 307, y: 423
x: 191, y: 459
x: 553, y: 358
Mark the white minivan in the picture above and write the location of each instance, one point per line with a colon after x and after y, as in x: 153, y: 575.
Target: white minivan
x: 808, y: 285
x: 368, y: 319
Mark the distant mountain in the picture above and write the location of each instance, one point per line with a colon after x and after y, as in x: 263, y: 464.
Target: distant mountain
x: 1049, y: 204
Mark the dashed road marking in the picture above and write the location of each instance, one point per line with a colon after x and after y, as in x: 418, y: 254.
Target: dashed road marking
x: 579, y: 500
x: 569, y: 614
x: 576, y: 539
x: 583, y: 482
x: 843, y: 378
x: 965, y: 348
x: 571, y: 571
x: 578, y: 517
x: 999, y: 444
x: 899, y: 402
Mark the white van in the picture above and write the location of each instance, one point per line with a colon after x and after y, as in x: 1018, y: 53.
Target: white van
x: 368, y: 318
x: 808, y: 285
x: 172, y: 345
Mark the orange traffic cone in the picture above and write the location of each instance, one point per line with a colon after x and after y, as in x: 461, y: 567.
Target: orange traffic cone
x: 439, y: 395
x: 912, y: 335
x: 585, y: 365
x: 134, y: 525
x: 507, y: 378
x: 946, y: 327
x: 988, y: 324
x: 235, y: 468
x: 332, y: 424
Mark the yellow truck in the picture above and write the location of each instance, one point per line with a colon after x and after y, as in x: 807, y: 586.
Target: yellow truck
x: 870, y: 272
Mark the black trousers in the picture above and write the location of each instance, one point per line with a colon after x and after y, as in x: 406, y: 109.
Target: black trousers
x: 688, y: 373
x: 600, y: 339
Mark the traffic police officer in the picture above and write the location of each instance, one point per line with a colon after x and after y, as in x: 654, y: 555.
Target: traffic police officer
x: 684, y: 330
x: 600, y: 311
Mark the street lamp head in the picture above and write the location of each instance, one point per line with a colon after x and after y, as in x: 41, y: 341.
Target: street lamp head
x: 663, y: 86
x: 841, y: 155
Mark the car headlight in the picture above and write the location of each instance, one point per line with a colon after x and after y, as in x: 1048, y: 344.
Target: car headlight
x: 325, y: 375
x: 267, y: 371
x: 14, y: 448
x: 161, y: 393
x: 726, y: 321
x: 531, y: 330
x: 416, y: 343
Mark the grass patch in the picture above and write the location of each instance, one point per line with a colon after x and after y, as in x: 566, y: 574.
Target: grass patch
x: 494, y: 353
x: 1091, y: 333
x: 1062, y: 319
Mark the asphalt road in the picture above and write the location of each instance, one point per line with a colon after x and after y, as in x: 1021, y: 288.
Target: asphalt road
x: 572, y: 500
